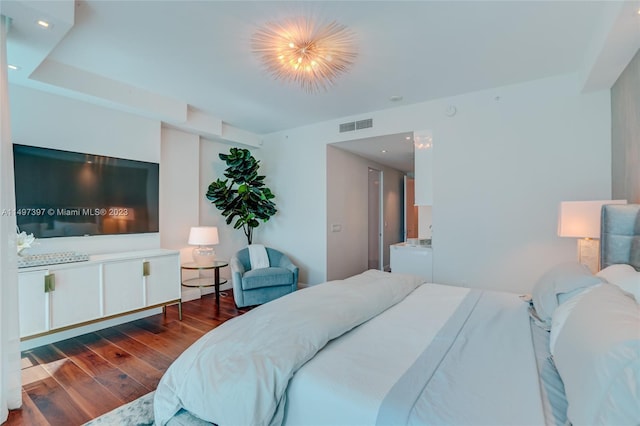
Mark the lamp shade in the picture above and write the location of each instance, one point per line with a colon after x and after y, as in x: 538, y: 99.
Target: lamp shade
x: 203, y: 236
x: 581, y: 219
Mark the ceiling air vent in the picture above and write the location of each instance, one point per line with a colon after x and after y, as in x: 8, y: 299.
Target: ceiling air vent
x: 356, y: 125
x: 364, y: 124
x: 348, y: 127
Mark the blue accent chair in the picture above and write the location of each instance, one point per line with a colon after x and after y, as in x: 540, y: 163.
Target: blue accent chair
x: 257, y: 286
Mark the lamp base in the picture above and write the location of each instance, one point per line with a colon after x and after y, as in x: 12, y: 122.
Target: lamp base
x: 589, y: 253
x: 203, y: 255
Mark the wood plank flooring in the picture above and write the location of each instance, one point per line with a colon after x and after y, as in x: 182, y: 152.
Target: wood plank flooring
x: 73, y: 381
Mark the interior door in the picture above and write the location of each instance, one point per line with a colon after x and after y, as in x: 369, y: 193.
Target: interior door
x: 375, y: 219
x: 410, y: 209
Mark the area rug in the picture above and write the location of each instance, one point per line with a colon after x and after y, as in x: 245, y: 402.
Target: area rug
x: 135, y: 413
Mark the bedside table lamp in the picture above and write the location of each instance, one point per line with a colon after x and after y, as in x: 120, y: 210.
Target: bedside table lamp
x: 203, y: 237
x: 581, y: 219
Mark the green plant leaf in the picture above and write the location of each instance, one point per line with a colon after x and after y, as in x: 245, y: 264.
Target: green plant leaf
x: 242, y: 197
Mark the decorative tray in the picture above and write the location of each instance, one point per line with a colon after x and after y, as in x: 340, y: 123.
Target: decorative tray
x: 51, y: 259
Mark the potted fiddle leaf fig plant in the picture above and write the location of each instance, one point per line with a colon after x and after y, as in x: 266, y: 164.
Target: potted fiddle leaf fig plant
x: 243, y: 195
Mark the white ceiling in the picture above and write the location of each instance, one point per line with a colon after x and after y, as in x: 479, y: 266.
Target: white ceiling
x: 198, y: 54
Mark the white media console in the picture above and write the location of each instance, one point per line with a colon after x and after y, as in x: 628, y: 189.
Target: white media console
x: 61, y: 300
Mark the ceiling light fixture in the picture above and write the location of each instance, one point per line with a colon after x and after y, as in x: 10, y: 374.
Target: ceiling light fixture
x: 13, y: 67
x: 304, y: 52
x: 43, y: 23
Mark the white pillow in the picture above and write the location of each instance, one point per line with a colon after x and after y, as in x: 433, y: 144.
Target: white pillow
x: 561, y: 279
x: 597, y: 354
x: 631, y: 285
x: 624, y: 276
x: 615, y: 273
x: 561, y: 314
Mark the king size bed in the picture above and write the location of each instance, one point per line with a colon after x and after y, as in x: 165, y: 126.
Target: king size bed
x: 387, y: 349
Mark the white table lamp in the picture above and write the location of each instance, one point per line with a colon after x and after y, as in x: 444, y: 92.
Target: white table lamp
x: 203, y: 237
x: 581, y: 219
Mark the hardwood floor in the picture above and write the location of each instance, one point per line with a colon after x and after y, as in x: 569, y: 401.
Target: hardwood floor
x: 73, y: 381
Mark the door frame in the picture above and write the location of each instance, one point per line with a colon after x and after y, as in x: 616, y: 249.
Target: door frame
x: 380, y: 233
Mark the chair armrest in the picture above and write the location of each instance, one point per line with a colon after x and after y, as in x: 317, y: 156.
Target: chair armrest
x: 237, y: 271
x: 286, y: 263
x: 236, y: 266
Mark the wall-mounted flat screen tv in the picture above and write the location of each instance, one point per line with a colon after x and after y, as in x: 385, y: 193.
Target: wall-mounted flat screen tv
x: 63, y: 193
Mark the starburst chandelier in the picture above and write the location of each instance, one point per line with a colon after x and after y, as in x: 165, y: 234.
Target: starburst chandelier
x: 306, y: 53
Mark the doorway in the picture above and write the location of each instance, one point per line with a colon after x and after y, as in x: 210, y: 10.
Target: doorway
x: 348, y: 206
x: 374, y: 213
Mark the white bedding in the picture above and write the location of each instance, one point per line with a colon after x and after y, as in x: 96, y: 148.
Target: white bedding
x: 237, y: 374
x: 489, y: 375
x: 469, y: 361
x: 427, y: 354
x: 330, y: 390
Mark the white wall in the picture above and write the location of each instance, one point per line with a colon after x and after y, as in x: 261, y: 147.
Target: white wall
x: 425, y: 220
x: 296, y: 173
x: 43, y: 119
x: 501, y: 166
x: 504, y: 167
x: 179, y: 180
x: 47, y: 120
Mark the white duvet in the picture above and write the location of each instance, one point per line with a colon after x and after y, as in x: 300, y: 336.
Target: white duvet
x: 347, y: 382
x: 238, y: 373
x: 443, y: 356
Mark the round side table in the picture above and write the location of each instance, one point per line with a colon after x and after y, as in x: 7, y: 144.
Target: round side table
x: 205, y: 281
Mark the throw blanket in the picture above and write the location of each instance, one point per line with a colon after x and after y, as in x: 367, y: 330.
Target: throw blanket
x: 258, y: 256
x: 238, y: 373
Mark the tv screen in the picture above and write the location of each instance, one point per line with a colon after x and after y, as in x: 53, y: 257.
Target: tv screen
x: 63, y: 193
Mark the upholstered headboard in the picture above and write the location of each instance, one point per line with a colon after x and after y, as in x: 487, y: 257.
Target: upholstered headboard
x: 620, y: 235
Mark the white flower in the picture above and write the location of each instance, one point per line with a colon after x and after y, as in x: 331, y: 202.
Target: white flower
x: 24, y: 240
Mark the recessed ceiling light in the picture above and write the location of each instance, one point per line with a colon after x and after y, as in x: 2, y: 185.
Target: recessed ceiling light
x: 13, y: 67
x: 408, y: 138
x: 43, y: 23
x: 384, y: 151
x: 395, y: 98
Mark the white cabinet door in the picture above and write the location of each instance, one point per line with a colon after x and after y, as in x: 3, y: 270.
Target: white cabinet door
x: 123, y: 286
x: 33, y: 303
x: 162, y: 280
x: 77, y: 296
x: 423, y: 146
x: 412, y: 260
